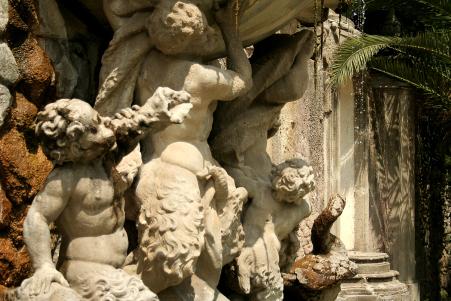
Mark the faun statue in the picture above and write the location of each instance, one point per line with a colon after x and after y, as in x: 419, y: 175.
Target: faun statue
x: 188, y: 208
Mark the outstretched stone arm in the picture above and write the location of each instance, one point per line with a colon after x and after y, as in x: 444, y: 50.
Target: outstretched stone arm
x: 321, y: 238
x: 165, y: 107
x: 329, y: 264
x: 46, y: 207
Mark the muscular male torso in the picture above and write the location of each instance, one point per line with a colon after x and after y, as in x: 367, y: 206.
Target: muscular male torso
x: 92, y: 221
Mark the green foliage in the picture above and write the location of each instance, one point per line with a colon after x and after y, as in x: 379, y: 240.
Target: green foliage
x: 433, y: 14
x: 424, y: 61
x: 354, y: 55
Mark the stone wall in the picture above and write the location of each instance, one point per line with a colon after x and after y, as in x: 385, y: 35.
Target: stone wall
x: 23, y: 166
x: 45, y: 55
x: 360, y: 139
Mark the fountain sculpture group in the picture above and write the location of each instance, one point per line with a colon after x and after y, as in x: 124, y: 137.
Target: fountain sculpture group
x: 177, y: 143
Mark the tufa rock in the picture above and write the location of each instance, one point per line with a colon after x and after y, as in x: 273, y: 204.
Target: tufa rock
x: 5, y: 210
x: 23, y: 165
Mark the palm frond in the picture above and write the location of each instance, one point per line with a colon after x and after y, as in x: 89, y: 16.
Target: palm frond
x: 427, y: 78
x: 432, y: 45
x: 429, y: 49
x: 354, y: 54
x: 431, y: 13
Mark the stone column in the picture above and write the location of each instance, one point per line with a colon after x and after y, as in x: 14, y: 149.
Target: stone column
x: 392, y: 190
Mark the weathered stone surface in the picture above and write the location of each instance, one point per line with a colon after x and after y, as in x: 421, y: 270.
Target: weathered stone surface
x: 36, y: 71
x: 5, y: 103
x: 23, y: 165
x: 9, y: 73
x: 14, y: 263
x: 35, y: 68
x: 5, y: 209
x: 3, y: 15
x: 23, y: 168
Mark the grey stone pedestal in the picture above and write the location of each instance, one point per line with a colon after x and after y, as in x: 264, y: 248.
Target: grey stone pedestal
x: 375, y: 280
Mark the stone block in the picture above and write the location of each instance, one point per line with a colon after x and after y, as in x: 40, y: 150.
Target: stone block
x: 9, y: 73
x: 3, y: 15
x: 5, y: 103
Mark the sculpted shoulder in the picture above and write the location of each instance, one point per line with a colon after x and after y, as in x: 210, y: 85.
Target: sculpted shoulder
x: 64, y: 176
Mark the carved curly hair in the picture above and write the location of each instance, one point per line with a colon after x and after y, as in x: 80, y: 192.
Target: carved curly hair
x: 292, y: 180
x: 58, y: 127
x: 175, y: 23
x: 170, y: 226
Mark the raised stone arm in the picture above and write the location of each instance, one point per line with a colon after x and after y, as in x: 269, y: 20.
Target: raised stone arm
x: 211, y: 82
x: 237, y: 60
x: 166, y: 106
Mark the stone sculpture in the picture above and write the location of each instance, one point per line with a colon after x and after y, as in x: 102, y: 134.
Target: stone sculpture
x: 84, y: 196
x: 189, y: 207
x: 278, y: 194
x: 190, y: 210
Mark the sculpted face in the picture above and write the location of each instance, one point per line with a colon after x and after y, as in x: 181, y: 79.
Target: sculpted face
x: 292, y: 183
x: 98, y: 137
x: 70, y: 130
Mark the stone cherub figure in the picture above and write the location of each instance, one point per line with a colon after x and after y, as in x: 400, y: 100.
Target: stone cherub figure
x: 189, y: 208
x: 273, y: 213
x: 278, y: 196
x: 83, y: 196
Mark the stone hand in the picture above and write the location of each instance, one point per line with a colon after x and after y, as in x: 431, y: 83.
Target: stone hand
x: 246, y: 265
x: 40, y: 282
x: 169, y: 104
x: 219, y: 177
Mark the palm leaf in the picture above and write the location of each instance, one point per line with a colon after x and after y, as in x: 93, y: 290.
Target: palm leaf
x: 432, y: 81
x: 434, y: 44
x: 354, y: 54
x: 429, y: 48
x: 431, y: 13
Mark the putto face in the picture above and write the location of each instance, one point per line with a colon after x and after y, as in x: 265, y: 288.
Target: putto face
x: 70, y: 130
x: 98, y: 137
x: 292, y: 183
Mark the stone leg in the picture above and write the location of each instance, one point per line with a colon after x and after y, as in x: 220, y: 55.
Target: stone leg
x: 57, y: 292
x: 170, y: 225
x: 95, y: 282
